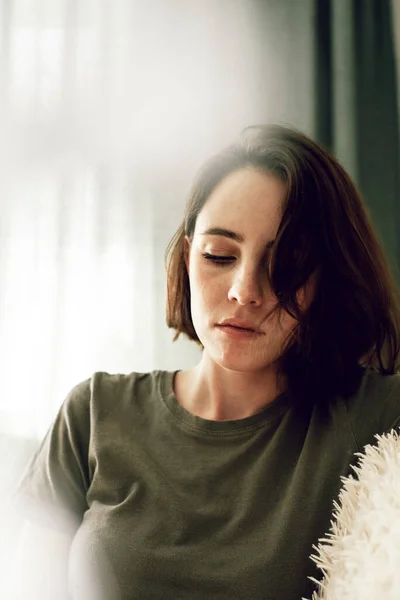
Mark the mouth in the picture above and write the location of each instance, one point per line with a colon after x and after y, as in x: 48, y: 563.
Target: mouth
x: 238, y: 331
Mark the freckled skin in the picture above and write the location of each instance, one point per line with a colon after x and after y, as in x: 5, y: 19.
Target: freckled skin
x: 248, y: 202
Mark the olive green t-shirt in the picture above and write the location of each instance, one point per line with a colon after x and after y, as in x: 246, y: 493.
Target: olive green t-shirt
x: 168, y: 505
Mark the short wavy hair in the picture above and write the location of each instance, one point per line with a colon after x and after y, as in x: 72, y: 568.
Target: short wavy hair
x: 354, y: 319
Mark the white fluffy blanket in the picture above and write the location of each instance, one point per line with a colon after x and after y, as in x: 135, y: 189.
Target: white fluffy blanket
x: 360, y: 557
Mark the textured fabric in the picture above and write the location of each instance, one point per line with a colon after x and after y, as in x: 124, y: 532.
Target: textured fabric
x: 170, y: 505
x: 361, y: 556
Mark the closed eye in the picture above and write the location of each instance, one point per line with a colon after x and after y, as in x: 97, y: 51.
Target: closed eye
x: 218, y: 259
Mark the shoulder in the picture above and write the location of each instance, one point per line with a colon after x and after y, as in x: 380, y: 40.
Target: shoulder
x: 124, y: 388
x: 375, y: 407
x: 103, y: 382
x: 106, y: 394
x: 103, y: 386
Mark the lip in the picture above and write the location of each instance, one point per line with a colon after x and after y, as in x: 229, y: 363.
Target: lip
x: 238, y: 333
x: 241, y: 324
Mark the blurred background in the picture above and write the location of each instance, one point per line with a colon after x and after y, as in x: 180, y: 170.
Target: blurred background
x: 107, y: 109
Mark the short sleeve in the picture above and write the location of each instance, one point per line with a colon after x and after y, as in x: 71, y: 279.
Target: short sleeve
x: 53, y: 488
x: 375, y: 408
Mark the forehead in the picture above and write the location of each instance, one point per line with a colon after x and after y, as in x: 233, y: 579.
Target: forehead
x: 247, y: 200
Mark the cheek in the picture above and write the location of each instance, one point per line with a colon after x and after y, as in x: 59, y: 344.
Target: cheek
x: 206, y: 288
x: 284, y: 322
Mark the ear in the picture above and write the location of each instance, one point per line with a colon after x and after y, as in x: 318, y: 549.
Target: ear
x: 186, y: 251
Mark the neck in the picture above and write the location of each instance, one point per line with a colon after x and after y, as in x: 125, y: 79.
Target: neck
x: 215, y: 393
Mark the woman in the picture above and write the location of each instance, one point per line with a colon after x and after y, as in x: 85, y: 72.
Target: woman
x: 216, y: 481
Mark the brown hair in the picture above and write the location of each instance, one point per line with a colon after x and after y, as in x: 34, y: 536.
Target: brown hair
x: 354, y: 319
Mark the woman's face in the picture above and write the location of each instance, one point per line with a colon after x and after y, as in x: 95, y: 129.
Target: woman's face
x: 249, y: 204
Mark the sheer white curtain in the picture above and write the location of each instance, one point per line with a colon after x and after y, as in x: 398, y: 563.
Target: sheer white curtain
x: 107, y: 108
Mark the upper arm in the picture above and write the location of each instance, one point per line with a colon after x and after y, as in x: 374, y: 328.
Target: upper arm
x: 51, y: 499
x: 52, y: 490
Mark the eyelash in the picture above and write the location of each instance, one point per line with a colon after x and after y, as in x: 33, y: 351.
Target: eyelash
x: 219, y: 260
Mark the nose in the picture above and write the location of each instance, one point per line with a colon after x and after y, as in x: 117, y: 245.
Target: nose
x: 246, y: 288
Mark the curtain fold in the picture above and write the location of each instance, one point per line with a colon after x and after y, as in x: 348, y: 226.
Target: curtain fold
x: 396, y: 34
x: 357, y: 114
x: 109, y: 108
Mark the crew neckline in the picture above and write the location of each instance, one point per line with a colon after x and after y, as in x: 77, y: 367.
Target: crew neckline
x: 166, y: 392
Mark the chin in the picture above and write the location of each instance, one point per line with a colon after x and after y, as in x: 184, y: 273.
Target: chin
x: 238, y: 360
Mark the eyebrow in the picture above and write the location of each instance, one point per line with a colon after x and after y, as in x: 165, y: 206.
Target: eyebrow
x: 231, y: 235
